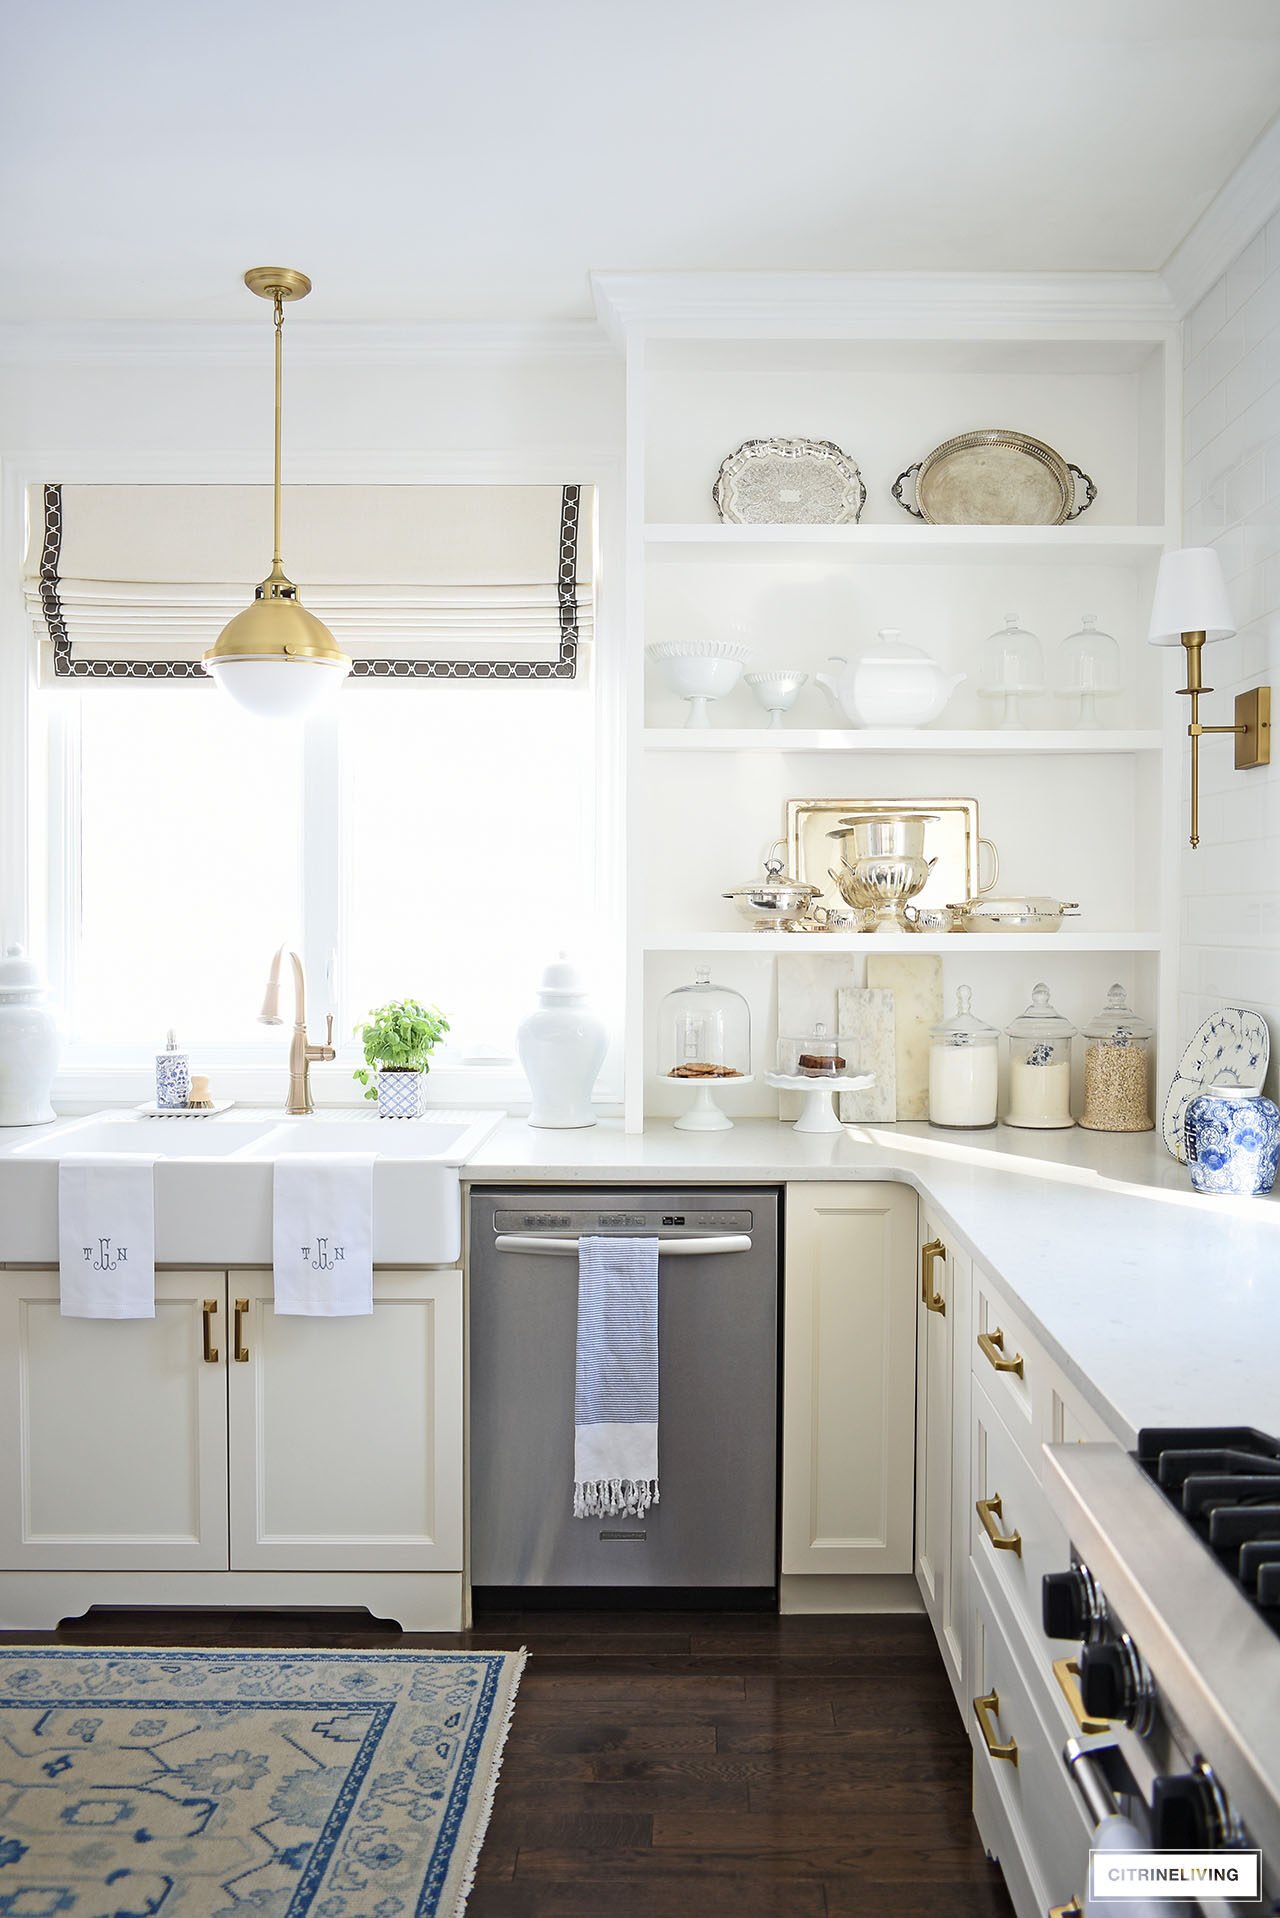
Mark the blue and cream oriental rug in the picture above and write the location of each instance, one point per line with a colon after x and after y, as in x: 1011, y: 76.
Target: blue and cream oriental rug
x: 152, y: 1784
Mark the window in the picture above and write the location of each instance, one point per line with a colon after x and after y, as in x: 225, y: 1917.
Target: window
x: 438, y: 838
x: 429, y: 839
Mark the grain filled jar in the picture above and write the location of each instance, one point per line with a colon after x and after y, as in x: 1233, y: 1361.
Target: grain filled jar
x: 1117, y: 1079
x: 964, y: 1069
x: 1040, y: 1066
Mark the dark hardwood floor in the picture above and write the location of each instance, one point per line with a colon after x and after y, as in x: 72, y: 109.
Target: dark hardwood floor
x: 697, y: 1765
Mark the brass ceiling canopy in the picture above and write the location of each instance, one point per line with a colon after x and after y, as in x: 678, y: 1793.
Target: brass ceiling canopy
x: 276, y: 631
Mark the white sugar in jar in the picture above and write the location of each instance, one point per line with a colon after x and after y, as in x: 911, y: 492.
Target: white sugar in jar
x: 963, y: 1069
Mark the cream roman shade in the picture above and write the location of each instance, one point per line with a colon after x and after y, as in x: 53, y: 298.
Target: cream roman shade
x: 414, y: 581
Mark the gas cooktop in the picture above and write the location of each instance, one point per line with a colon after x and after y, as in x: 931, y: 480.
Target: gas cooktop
x: 1225, y: 1480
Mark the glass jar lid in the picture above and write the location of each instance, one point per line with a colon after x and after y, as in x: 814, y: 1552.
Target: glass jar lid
x: 1116, y: 1022
x: 1041, y: 1020
x: 965, y: 1029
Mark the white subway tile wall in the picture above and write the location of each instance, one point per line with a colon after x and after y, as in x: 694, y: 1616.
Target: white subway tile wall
x: 1230, y: 931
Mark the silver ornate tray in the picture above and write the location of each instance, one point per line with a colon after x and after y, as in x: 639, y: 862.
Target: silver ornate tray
x: 995, y: 478
x: 783, y: 482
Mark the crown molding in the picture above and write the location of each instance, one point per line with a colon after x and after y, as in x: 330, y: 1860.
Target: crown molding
x: 315, y: 342
x: 1228, y: 223
x: 852, y: 305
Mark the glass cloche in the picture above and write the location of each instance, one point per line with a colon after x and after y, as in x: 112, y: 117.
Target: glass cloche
x: 1012, y: 670
x: 704, y: 1040
x: 818, y: 1054
x: 1086, y: 669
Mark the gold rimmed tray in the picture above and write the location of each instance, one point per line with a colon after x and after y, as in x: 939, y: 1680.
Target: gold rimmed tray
x: 995, y: 478
x: 953, y: 839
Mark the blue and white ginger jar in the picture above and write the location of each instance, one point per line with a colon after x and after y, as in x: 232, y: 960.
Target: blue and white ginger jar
x: 1233, y: 1140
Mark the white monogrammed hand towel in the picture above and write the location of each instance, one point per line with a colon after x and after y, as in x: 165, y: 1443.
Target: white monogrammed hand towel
x: 615, y: 1451
x: 323, y: 1234
x: 107, y: 1237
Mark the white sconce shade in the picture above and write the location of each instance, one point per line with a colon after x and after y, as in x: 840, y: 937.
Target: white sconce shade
x: 1191, y: 597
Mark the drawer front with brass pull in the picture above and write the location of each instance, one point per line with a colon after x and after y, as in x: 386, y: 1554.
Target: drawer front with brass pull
x: 1014, y: 1533
x: 991, y: 1512
x: 208, y: 1313
x: 991, y: 1346
x: 987, y: 1709
x: 1018, y: 1746
x: 932, y: 1255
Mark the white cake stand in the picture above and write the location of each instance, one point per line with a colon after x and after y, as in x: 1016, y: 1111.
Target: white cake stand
x: 819, y: 1114
x: 704, y: 1115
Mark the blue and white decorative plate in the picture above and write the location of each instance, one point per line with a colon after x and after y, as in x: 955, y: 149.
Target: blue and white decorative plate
x: 1232, y: 1048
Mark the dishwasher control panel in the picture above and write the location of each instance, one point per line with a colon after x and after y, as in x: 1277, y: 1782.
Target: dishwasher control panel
x: 605, y: 1222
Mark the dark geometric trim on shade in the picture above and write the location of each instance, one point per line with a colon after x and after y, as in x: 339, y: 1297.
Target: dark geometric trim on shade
x: 564, y: 667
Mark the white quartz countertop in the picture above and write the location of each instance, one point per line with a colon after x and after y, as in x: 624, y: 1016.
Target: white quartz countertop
x: 1161, y: 1305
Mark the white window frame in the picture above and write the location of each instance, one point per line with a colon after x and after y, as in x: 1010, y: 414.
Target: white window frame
x: 39, y: 760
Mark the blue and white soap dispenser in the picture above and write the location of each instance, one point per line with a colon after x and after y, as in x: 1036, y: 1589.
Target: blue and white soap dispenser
x: 173, y: 1075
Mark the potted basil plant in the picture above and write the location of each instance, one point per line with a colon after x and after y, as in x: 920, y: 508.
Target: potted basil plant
x: 398, y: 1039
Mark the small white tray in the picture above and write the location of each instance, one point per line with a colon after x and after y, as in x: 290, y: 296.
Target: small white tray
x: 183, y: 1112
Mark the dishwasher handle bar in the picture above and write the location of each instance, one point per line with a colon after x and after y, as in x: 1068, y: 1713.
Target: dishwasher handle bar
x: 669, y: 1248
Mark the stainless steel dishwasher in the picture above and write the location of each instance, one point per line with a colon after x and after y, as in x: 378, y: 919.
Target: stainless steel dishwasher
x: 715, y: 1525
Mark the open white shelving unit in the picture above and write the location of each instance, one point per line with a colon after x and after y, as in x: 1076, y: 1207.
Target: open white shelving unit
x: 1090, y: 364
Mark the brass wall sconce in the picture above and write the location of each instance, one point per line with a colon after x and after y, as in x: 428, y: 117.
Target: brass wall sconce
x: 1191, y: 609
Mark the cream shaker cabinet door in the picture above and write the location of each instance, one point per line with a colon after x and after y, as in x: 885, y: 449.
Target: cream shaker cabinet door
x: 346, y: 1434
x: 941, y: 1528
x: 849, y: 1378
x: 113, y: 1432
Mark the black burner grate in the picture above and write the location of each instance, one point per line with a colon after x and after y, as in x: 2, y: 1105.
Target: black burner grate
x: 1225, y: 1480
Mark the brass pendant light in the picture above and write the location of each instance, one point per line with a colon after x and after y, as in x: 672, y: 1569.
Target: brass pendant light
x: 275, y: 658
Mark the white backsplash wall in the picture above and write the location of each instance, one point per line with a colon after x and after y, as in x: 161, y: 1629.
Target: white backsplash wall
x: 1230, y: 906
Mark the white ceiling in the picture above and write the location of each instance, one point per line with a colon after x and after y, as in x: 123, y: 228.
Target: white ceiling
x: 478, y: 160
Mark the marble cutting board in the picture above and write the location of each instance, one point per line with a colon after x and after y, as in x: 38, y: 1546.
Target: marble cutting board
x: 869, y: 1017
x: 916, y: 985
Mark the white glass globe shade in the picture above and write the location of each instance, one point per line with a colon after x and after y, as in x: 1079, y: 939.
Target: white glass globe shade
x: 277, y: 688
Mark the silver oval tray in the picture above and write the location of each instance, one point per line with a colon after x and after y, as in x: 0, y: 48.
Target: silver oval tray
x: 995, y: 478
x: 783, y: 482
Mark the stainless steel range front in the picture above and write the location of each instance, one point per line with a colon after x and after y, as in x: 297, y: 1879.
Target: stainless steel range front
x: 715, y: 1525
x: 1173, y: 1597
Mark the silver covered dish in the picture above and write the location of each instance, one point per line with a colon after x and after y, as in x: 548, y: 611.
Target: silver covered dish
x: 775, y: 900
x: 1020, y: 912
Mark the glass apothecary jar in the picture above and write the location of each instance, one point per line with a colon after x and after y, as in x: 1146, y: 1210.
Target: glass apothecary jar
x: 964, y: 1069
x: 704, y: 1041
x: 817, y: 1055
x: 1117, y: 1080
x: 1040, y: 1066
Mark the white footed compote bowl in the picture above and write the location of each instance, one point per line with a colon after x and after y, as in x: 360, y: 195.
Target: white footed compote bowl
x: 699, y: 670
x: 776, y: 692
x: 819, y: 1114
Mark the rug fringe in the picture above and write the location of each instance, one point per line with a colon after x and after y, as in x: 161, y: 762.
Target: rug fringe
x: 486, y: 1810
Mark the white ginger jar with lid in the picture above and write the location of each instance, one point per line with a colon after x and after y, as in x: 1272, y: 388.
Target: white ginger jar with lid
x: 30, y: 1042
x: 561, y: 1046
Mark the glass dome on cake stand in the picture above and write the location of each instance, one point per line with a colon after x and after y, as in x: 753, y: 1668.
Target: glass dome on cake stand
x: 704, y: 1041
x: 821, y: 1065
x: 1087, y: 669
x: 1012, y: 671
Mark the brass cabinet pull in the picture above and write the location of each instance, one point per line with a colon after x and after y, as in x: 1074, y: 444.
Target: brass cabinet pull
x: 208, y: 1312
x: 991, y: 1346
x: 988, y: 1708
x: 1067, y: 1673
x: 241, y: 1352
x: 930, y: 1253
x: 1072, y: 1909
x: 989, y: 1510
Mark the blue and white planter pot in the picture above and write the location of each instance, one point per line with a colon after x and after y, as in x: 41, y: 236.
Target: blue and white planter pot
x: 399, y: 1092
x: 1233, y: 1140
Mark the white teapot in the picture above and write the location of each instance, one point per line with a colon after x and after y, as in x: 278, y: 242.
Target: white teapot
x: 892, y: 685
